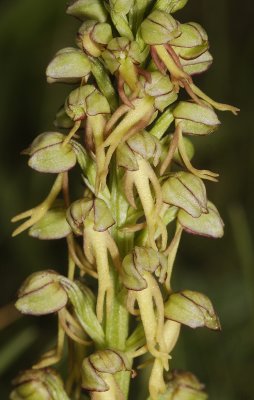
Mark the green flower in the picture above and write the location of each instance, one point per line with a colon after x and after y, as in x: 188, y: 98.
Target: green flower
x: 192, y: 42
x: 99, y: 368
x: 159, y: 28
x: 93, y: 37
x: 192, y: 309
x: 186, y: 191
x: 47, y: 153
x: 41, y: 293
x: 38, y: 385
x: 183, y: 386
x: 209, y: 224
x: 170, y: 6
x: 69, y: 65
x: 87, y: 9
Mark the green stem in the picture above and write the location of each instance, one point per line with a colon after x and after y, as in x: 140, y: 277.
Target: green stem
x: 117, y: 323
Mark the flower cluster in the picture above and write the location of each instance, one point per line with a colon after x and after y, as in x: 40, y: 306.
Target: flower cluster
x: 123, y: 126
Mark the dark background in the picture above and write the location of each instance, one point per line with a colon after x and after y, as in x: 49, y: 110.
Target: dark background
x: 30, y: 33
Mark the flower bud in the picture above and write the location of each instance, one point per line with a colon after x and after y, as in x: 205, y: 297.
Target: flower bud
x: 86, y: 100
x: 38, y: 385
x: 193, y: 309
x: 87, y: 9
x: 209, y: 225
x: 52, y: 225
x: 47, y: 154
x: 183, y: 386
x: 161, y: 88
x: 69, y: 65
x: 159, y: 28
x: 195, y: 119
x: 197, y: 65
x: 170, y: 6
x: 192, y: 42
x: 41, y: 294
x: 93, y: 37
x: 186, y: 191
x: 102, y: 362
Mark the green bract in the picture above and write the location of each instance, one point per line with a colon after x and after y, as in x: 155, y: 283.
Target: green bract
x: 69, y: 65
x: 84, y: 308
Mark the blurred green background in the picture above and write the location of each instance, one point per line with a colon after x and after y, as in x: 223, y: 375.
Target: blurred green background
x: 30, y: 33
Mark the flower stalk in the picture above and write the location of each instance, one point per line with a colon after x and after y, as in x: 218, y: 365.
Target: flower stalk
x: 117, y: 302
